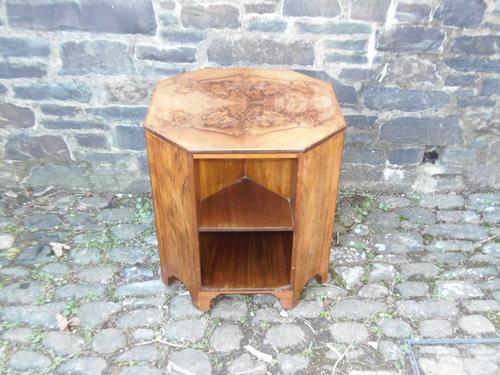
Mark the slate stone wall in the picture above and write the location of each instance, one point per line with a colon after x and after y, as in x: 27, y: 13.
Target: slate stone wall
x: 417, y: 79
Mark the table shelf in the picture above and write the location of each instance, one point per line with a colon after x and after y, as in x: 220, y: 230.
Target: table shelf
x: 245, y: 206
x: 250, y: 260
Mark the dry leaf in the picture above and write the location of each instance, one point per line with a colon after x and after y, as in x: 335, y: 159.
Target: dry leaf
x: 58, y: 248
x: 62, y: 322
x: 65, y: 324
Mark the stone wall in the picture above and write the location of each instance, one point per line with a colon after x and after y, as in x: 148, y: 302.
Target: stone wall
x: 416, y: 80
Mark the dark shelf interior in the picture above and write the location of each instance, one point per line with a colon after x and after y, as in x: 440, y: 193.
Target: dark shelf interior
x: 245, y: 260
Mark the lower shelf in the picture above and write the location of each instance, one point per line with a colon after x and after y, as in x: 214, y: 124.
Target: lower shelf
x: 245, y: 260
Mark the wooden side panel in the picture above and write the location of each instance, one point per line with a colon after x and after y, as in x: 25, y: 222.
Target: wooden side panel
x: 274, y: 174
x: 318, y: 177
x: 174, y: 200
x: 215, y: 175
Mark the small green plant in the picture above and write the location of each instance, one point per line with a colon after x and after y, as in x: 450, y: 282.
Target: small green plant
x: 309, y: 351
x: 384, y: 206
x: 71, y: 309
x: 397, y: 278
x: 143, y: 209
x: 12, y: 253
x: 47, y: 277
x: 13, y: 229
x: 201, y: 344
x: 428, y: 237
x: 36, y: 337
x: 376, y: 330
x: 324, y: 314
x: 360, y: 246
x: 361, y: 210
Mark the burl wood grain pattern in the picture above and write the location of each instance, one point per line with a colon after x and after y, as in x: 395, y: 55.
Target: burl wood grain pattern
x: 243, y: 110
x: 318, y: 174
x: 173, y: 188
x: 244, y: 169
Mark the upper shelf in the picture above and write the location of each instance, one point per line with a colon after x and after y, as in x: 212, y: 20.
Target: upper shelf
x: 244, y: 110
x: 245, y: 206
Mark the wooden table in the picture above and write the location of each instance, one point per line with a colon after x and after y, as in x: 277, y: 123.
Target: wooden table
x: 244, y: 170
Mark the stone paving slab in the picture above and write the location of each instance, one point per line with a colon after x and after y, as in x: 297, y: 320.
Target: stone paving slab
x: 401, y: 266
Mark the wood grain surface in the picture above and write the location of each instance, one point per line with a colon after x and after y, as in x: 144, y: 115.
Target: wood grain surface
x: 245, y: 206
x: 244, y: 110
x: 253, y: 260
x: 174, y: 201
x: 318, y: 173
x: 245, y: 167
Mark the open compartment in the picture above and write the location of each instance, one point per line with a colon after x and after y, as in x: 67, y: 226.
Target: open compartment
x: 245, y: 260
x: 245, y: 222
x: 245, y: 194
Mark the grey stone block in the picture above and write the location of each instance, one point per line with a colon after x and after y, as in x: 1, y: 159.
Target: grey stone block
x: 331, y: 27
x: 56, y: 91
x: 345, y: 58
x: 460, y: 80
x: 347, y: 45
x: 291, y: 364
x: 424, y: 131
x: 129, y: 138
x: 123, y: 114
x: 95, y: 57
x: 51, y: 148
x: 73, y: 124
x: 476, y: 45
x: 374, y: 10
x: 91, y: 140
x: 466, y: 102
x: 29, y: 360
x: 13, y: 116
x: 360, y: 121
x: 266, y: 25
x: 23, y: 47
x: 218, y: 16
x: 412, y: 13
x: 60, y: 110
x: 194, y: 361
x: 460, y: 13
x: 406, y: 156
x: 345, y: 94
x: 175, y: 55
x: 491, y: 86
x: 261, y: 8
x: 357, y: 74
x: 311, y: 8
x: 122, y: 17
x: 473, y: 64
x: 364, y: 155
x: 184, y: 36
x: 261, y: 51
x: 409, y: 39
x: 10, y: 70
x: 407, y: 100
x: 83, y: 365
x: 64, y: 176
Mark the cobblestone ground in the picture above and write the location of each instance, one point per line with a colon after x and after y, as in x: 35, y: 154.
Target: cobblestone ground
x: 415, y: 266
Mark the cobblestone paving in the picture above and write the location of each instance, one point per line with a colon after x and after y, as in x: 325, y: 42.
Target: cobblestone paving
x: 402, y: 266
